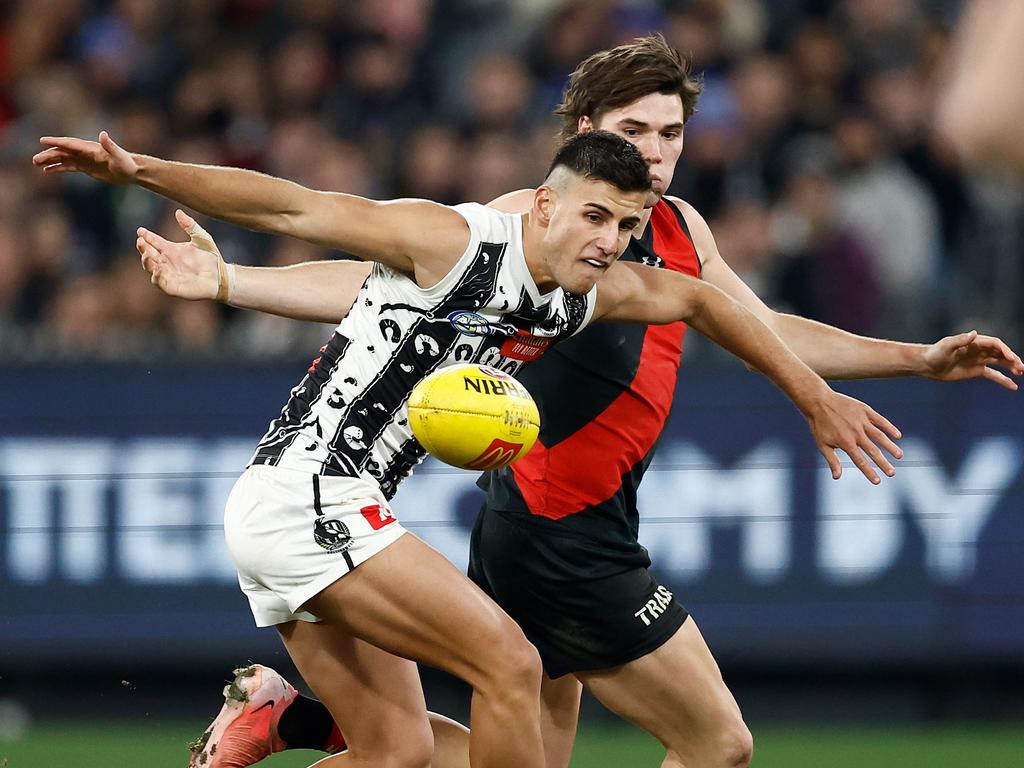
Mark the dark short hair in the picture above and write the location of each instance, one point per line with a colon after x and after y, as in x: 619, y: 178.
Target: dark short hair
x: 603, y: 156
x: 616, y: 77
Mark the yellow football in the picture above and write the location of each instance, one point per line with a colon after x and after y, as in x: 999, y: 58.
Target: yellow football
x: 473, y: 417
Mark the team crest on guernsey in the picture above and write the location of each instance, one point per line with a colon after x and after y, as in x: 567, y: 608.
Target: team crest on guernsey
x: 469, y: 323
x: 332, y: 535
x: 473, y: 324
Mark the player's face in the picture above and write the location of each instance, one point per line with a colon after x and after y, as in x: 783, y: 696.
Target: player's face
x: 654, y: 123
x: 590, y: 226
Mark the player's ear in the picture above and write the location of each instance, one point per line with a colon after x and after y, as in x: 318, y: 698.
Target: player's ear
x: 544, y: 199
x: 585, y: 124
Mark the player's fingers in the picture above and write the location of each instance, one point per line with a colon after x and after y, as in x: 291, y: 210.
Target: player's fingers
x: 48, y: 156
x: 832, y: 460
x: 152, y: 266
x: 196, y: 234
x: 185, y: 221
x: 192, y: 228
x: 949, y: 343
x: 999, y: 378
x: 861, y: 462
x: 962, y: 339
x: 66, y: 142
x: 150, y: 256
x: 71, y: 146
x: 1004, y: 355
x: 109, y: 144
x: 153, y: 239
x: 880, y: 438
x: 875, y: 454
x: 991, y: 342
x: 884, y: 424
x: 1011, y: 362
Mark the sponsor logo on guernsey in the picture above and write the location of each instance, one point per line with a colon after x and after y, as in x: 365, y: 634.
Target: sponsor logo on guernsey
x: 377, y: 515
x: 498, y: 454
x: 653, y: 608
x: 332, y: 535
x: 525, y: 346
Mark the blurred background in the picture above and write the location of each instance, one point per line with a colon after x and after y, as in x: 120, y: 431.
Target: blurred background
x: 846, y: 618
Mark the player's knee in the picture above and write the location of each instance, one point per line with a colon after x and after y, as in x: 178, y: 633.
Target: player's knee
x: 400, y: 742
x: 727, y: 743
x: 738, y: 745
x: 413, y: 755
x: 520, y: 663
x: 413, y: 749
x: 514, y: 666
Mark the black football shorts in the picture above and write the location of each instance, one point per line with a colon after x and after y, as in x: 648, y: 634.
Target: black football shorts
x: 576, y: 622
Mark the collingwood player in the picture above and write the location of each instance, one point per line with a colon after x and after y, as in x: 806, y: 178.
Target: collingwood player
x: 313, y: 505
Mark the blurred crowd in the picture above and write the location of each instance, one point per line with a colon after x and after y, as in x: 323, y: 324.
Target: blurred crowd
x: 813, y: 154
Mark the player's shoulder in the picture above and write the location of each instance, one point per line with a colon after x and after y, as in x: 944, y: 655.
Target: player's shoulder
x: 519, y: 201
x: 684, y: 208
x: 692, y: 216
x: 480, y: 212
x: 489, y: 224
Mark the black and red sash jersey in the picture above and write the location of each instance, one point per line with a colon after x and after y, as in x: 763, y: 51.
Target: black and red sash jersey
x: 604, y: 396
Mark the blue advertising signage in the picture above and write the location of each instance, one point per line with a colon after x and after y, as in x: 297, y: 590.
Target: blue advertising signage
x: 113, y: 481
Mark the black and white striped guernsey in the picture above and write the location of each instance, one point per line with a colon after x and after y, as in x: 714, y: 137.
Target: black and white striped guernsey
x: 348, y: 415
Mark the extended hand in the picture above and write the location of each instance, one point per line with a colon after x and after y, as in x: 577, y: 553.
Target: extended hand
x: 856, y: 429
x: 103, y: 159
x: 186, y: 270
x: 970, y: 356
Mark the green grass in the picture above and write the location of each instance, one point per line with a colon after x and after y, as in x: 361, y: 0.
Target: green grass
x: 124, y: 745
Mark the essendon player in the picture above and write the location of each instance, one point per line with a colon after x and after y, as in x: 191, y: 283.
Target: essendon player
x: 556, y: 542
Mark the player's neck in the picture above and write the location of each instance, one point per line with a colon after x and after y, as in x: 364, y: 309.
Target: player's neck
x: 645, y: 219
x: 534, y: 254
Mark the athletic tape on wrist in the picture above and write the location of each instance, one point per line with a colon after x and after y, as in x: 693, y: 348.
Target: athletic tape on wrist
x: 225, y: 281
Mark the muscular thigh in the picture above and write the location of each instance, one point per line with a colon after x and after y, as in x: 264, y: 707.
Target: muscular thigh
x: 676, y: 692
x: 411, y: 601
x: 375, y: 697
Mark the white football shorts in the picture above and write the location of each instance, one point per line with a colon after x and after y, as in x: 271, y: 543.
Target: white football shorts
x: 292, y: 534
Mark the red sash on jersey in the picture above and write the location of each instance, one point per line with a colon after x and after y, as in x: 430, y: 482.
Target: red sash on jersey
x: 587, y: 468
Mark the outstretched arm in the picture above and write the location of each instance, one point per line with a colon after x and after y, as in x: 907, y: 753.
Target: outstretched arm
x: 247, y: 198
x: 836, y: 354
x: 630, y: 292
x: 390, y: 232
x: 980, y: 112
x: 322, y: 291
